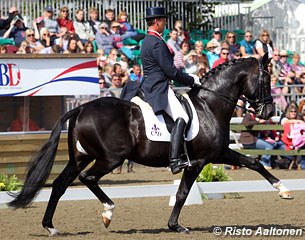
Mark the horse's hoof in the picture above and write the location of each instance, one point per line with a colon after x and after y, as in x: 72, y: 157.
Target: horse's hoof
x: 106, y: 221
x: 52, y: 231
x: 286, y: 195
x: 179, y: 229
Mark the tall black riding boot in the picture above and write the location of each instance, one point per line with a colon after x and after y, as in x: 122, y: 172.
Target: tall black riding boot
x: 176, y: 160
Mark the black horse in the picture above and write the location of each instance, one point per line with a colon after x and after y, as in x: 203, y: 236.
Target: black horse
x: 110, y: 130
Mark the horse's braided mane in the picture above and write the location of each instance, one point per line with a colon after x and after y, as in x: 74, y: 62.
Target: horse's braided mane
x: 224, y: 65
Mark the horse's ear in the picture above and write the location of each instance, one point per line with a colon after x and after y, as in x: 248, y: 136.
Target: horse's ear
x: 265, y: 61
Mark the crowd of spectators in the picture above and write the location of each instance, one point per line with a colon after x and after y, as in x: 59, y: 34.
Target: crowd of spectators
x: 56, y: 32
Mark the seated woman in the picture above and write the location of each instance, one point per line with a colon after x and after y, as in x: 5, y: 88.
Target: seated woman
x: 257, y: 140
x: 127, y: 28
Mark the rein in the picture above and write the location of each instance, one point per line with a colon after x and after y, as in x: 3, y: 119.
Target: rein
x: 260, y: 101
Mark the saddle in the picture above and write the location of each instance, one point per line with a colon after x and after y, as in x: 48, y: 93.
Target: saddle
x: 158, y: 127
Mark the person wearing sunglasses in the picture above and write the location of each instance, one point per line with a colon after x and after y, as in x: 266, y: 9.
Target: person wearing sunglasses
x: 33, y: 43
x: 247, y: 46
x: 63, y: 20
x: 223, y: 57
x: 264, y: 44
x: 233, y: 45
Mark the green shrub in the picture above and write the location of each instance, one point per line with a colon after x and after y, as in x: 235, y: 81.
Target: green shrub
x: 210, y: 174
x: 9, y: 183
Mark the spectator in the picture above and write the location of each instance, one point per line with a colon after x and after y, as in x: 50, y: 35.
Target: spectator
x: 216, y: 39
x: 233, y: 46
x: 12, y: 13
x: 278, y: 96
x: 191, y: 63
x: 24, y: 48
x: 290, y: 117
x: 64, y: 21
x: 23, y: 122
x: 180, y: 57
x: 115, y: 34
x: 211, y: 55
x: 296, y: 66
x: 113, y: 56
x: 301, y: 89
x: 136, y: 74
x: 82, y: 27
x: 104, y: 39
x: 16, y: 30
x: 275, y: 61
x: 33, y: 43
x: 118, y: 71
x: 202, y: 58
x: 127, y: 27
x: 124, y: 62
x: 93, y: 19
x: 285, y: 66
x: 63, y: 40
x: 116, y: 85
x: 301, y: 107
x: 264, y: 44
x: 104, y: 92
x: 107, y: 74
x: 172, y: 42
x: 88, y: 47
x: 72, y: 46
x: 202, y: 70
x: 247, y: 46
x: 45, y: 38
x: 50, y: 23
x: 224, y: 57
x: 252, y: 139
x: 109, y: 16
x: 3, y: 49
x: 182, y: 34
x: 101, y: 58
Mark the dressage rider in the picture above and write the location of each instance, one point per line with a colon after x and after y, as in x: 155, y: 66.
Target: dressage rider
x: 159, y: 69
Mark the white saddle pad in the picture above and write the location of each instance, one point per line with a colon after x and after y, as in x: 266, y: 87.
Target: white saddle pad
x: 155, y: 126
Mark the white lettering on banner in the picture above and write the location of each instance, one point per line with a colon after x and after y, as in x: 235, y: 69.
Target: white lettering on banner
x: 48, y: 77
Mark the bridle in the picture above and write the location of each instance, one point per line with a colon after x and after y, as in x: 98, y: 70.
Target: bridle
x: 260, y: 101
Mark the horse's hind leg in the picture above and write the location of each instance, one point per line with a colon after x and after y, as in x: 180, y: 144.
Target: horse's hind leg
x: 60, y: 184
x: 90, y: 178
x: 234, y: 158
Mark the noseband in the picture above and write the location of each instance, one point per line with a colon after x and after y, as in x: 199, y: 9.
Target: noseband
x: 261, y: 100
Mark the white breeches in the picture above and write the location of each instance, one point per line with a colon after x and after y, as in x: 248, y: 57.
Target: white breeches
x: 174, y: 108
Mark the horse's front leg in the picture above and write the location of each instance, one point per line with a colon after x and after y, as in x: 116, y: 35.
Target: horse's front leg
x: 234, y: 158
x: 185, y: 186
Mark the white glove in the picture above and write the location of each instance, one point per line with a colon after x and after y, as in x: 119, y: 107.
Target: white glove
x: 196, y: 80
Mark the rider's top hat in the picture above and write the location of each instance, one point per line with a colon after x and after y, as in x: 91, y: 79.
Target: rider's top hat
x: 155, y: 12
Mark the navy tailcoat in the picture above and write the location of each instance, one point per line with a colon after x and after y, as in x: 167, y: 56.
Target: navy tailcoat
x: 159, y: 68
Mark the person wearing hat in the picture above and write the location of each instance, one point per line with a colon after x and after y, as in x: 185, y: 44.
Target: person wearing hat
x: 211, y: 55
x: 159, y: 69
x: 16, y: 30
x: 50, y: 23
x: 217, y: 40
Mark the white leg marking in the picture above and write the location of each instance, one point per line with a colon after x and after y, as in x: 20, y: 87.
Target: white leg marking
x: 279, y: 186
x: 52, y: 231
x: 80, y: 148
x: 108, y: 211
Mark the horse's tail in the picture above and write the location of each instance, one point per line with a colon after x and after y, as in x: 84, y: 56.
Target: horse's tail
x: 41, y: 164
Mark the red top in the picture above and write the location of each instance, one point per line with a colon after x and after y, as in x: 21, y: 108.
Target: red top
x: 17, y: 125
x: 219, y: 61
x: 66, y: 23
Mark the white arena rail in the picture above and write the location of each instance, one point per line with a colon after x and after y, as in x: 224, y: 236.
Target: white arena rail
x: 167, y: 190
